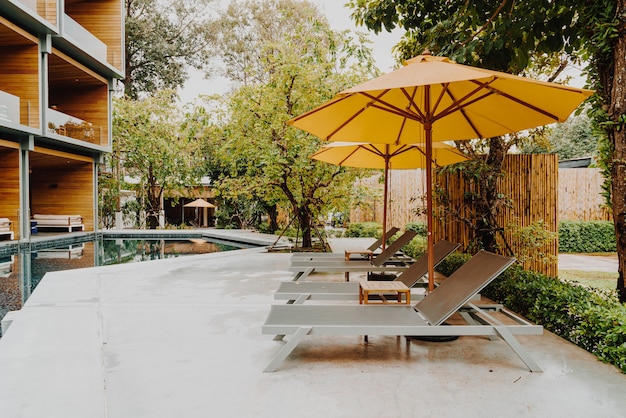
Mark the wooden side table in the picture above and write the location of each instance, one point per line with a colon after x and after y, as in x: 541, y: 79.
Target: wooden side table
x: 368, y: 253
x: 366, y: 288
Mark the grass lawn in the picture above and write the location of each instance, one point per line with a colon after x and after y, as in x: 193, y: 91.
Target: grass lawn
x: 598, y: 279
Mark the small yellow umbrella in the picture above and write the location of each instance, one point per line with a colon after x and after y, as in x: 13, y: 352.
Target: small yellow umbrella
x: 386, y: 157
x: 434, y: 99
x: 198, y: 203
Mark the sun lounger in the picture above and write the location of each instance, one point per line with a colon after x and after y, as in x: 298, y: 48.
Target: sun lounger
x: 69, y: 222
x: 382, y: 262
x: 373, y: 248
x: 425, y: 318
x: 5, y: 229
x: 300, y: 291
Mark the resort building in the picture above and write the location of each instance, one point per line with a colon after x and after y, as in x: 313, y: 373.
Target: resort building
x: 61, y: 62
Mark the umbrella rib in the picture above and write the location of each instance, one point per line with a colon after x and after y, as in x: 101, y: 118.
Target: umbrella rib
x: 412, y: 105
x: 461, y: 109
x: 317, y: 109
x: 388, y: 107
x: 349, y: 155
x: 350, y: 119
x: 516, y: 100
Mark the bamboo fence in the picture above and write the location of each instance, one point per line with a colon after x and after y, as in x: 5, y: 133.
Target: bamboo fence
x: 580, y: 195
x: 539, y: 192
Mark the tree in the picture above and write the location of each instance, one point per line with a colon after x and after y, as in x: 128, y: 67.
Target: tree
x: 486, y: 34
x: 153, y: 150
x: 572, y: 139
x: 286, y: 60
x: 508, y: 35
x: 162, y: 40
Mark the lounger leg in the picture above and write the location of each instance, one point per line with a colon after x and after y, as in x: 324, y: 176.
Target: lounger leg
x: 517, y: 347
x: 472, y: 321
x: 303, y: 274
x: 287, y: 349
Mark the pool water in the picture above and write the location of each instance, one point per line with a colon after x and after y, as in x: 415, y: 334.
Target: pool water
x: 20, y: 273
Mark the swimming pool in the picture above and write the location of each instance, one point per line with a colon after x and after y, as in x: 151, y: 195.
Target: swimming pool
x: 21, y: 271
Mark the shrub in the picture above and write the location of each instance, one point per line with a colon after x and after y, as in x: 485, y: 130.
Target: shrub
x: 416, y: 247
x: 364, y: 229
x: 593, y: 320
x: 420, y: 227
x: 586, y: 236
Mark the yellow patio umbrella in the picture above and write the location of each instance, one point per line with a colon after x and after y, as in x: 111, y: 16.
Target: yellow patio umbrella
x: 386, y: 157
x: 434, y: 99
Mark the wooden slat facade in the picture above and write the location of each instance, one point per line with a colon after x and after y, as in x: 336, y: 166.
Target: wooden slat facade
x: 62, y: 184
x: 10, y: 185
x: 19, y: 72
x: 80, y: 92
x: 103, y: 18
x: 47, y: 9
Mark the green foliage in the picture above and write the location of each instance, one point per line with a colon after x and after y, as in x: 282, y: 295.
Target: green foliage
x: 420, y: 227
x: 586, y: 236
x: 571, y: 139
x: 593, y: 320
x: 286, y: 60
x: 364, y: 229
x: 152, y: 149
x: 503, y: 36
x: 416, y: 247
x: 162, y: 39
x: 108, y: 194
x: 532, y: 241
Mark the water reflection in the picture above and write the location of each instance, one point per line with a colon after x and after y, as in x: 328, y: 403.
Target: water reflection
x: 21, y: 273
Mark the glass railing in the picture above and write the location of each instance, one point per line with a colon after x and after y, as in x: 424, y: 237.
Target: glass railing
x: 9, y: 107
x: 66, y: 125
x: 85, y: 38
x: 44, y: 8
x: 31, y: 4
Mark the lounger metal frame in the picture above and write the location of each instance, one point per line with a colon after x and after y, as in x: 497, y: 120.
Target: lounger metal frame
x: 382, y: 262
x: 300, y: 291
x: 423, y: 319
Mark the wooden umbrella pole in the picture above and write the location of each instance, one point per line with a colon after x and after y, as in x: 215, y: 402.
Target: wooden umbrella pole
x: 429, y: 191
x: 385, y: 190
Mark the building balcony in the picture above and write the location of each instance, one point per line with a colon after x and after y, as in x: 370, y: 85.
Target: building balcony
x: 69, y: 126
x: 40, y: 15
x: 84, y: 39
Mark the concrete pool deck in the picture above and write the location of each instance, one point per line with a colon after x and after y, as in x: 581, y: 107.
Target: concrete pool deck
x: 182, y: 338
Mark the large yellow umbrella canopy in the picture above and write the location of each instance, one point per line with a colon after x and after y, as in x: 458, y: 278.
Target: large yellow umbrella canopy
x: 386, y: 157
x: 435, y: 99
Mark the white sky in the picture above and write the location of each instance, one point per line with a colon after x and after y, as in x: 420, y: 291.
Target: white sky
x: 339, y: 19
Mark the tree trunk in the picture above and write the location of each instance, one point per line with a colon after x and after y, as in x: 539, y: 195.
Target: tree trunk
x: 154, y: 207
x: 486, y: 205
x: 272, y: 214
x: 617, y: 110
x: 304, y: 219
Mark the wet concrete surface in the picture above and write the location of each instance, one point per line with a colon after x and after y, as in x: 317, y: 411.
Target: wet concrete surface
x: 182, y: 338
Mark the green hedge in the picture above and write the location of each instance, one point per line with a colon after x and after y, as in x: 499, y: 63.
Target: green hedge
x: 419, y: 227
x: 593, y: 320
x: 364, y: 229
x: 586, y: 237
